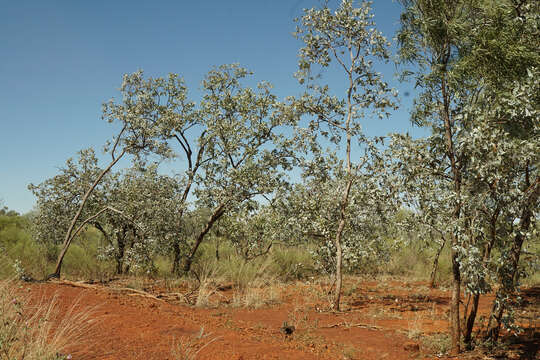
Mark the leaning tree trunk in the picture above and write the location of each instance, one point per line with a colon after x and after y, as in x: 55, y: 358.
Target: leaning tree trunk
x: 71, y: 232
x: 216, y: 215
x: 436, y: 265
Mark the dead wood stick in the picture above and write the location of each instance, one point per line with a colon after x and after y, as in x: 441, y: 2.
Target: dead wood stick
x: 95, y: 287
x: 76, y: 284
x: 135, y: 291
x: 360, y: 325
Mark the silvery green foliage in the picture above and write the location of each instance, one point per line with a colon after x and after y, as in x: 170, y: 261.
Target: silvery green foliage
x: 503, y: 181
x: 348, y: 40
x: 344, y: 40
x: 231, y: 142
x: 424, y: 191
x: 505, y: 185
x: 245, y: 149
x: 309, y: 213
x: 148, y: 114
x: 145, y: 206
x: 148, y: 205
x: 59, y: 197
x: 244, y: 156
x: 476, y: 64
x: 492, y: 160
x: 143, y: 126
x: 233, y: 152
x: 252, y: 229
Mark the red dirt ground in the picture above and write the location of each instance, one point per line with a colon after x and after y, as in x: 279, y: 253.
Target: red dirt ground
x: 380, y: 320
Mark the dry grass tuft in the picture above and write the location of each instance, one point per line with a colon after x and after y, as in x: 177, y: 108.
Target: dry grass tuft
x: 190, y: 347
x: 39, y: 331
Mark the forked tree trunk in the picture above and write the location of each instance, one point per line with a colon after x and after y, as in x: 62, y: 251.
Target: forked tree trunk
x: 71, y: 232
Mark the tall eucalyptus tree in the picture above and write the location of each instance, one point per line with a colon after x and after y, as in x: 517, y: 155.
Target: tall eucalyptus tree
x: 473, y: 62
x: 246, y: 149
x: 344, y: 40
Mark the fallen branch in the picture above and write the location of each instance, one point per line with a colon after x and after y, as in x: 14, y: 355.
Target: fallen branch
x: 76, y: 284
x: 96, y: 287
x: 360, y: 325
x: 136, y: 292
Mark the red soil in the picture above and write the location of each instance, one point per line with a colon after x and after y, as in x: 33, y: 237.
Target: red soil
x: 387, y: 320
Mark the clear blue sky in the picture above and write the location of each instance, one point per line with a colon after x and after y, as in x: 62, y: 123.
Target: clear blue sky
x: 61, y: 59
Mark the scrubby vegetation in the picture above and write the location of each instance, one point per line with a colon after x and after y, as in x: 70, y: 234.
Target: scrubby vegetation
x: 273, y: 191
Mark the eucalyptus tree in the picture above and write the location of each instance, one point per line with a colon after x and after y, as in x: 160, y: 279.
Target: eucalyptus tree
x: 246, y: 150
x: 429, y: 38
x: 476, y: 115
x: 309, y: 214
x: 230, y: 142
x: 60, y: 197
x: 344, y: 40
x: 502, y: 199
x: 163, y: 103
x: 503, y: 57
x: 508, y: 179
x: 140, y: 134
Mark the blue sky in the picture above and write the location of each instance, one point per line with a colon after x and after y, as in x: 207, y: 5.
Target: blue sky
x: 60, y: 60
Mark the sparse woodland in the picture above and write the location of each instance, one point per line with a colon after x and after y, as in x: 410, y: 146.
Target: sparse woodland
x: 293, y: 189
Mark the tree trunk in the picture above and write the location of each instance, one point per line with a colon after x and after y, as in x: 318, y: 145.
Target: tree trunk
x: 497, y: 312
x: 176, y: 257
x: 337, y: 244
x: 218, y: 212
x: 470, y: 321
x: 455, y: 330
x: 120, y: 239
x: 130, y: 246
x: 467, y: 338
x: 339, y: 259
x: 436, y: 265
